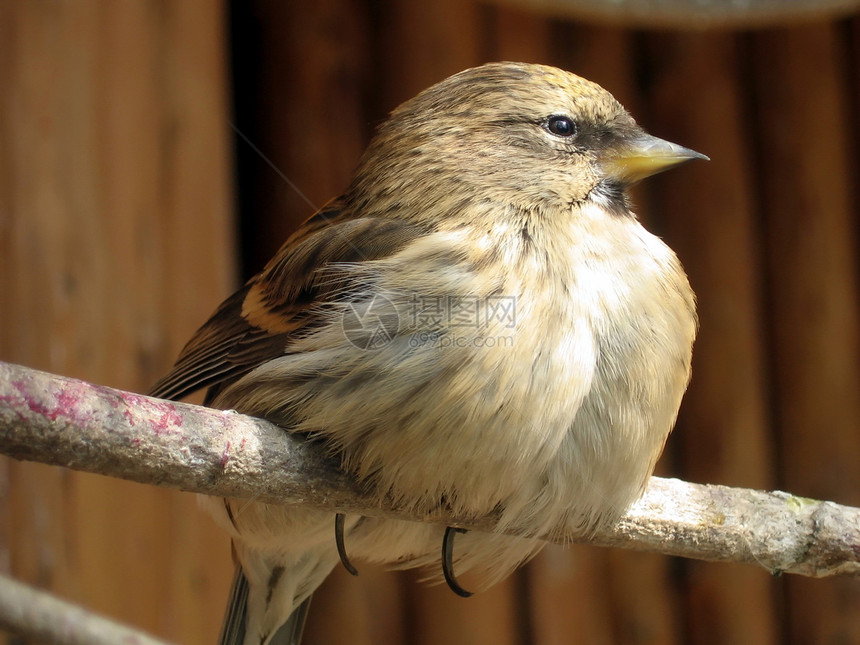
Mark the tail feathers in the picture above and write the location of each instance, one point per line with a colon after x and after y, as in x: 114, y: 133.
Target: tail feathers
x: 233, y: 629
x: 291, y: 631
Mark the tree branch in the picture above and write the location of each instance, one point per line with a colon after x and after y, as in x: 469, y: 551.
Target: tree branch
x: 40, y: 616
x: 67, y: 422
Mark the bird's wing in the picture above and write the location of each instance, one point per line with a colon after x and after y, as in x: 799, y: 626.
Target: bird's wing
x: 256, y: 323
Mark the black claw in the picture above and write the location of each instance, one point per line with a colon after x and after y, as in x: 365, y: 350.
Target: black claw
x: 341, y: 549
x: 448, y: 561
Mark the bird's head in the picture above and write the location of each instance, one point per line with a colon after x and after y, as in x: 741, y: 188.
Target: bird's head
x: 531, y: 137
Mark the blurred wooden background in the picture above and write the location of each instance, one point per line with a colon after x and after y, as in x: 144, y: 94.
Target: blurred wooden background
x: 132, y: 200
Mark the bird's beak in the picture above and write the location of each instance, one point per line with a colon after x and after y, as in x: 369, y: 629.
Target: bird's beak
x: 639, y: 157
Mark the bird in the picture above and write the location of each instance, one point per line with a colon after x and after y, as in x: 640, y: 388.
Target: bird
x: 478, y: 323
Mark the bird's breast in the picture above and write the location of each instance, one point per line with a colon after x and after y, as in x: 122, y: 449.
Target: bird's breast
x: 547, y: 378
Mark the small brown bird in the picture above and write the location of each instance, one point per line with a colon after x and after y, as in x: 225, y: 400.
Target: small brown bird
x: 478, y: 322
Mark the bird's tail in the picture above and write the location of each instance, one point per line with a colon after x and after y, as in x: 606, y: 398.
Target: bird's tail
x: 290, y: 632
x: 233, y: 629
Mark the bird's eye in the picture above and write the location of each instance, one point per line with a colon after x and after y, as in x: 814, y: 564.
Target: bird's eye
x: 561, y: 126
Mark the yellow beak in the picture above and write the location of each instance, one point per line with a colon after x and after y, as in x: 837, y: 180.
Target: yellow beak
x: 635, y: 159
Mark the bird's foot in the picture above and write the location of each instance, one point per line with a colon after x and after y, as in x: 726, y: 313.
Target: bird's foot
x: 341, y: 548
x: 448, y: 561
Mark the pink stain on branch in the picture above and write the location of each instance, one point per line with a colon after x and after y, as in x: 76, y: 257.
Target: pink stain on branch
x: 169, y: 421
x: 161, y: 416
x: 69, y: 403
x: 225, y: 456
x: 72, y: 403
x: 34, y: 405
x: 135, y: 407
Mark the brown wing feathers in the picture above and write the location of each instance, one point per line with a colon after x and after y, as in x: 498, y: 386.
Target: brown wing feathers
x: 255, y: 324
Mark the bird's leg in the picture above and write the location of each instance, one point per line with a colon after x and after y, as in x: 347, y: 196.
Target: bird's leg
x: 448, y: 561
x: 341, y: 548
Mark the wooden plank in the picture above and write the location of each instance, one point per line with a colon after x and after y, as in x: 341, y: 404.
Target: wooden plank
x: 417, y: 45
x: 807, y: 200
x: 707, y: 212
x: 569, y: 595
x: 300, y: 76
x: 117, y: 226
x: 438, y: 617
x: 365, y: 610
x: 521, y: 36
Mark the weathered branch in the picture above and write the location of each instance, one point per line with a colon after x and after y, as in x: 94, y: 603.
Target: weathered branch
x: 79, y: 425
x: 39, y: 616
